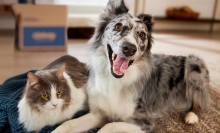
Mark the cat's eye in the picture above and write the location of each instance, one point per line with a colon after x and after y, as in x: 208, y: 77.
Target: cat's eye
x: 59, y: 92
x: 45, y: 96
x: 118, y: 27
x: 142, y: 35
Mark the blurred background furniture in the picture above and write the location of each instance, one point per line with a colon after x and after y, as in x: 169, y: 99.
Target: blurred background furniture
x: 190, y: 17
x: 5, y: 9
x: 209, y: 19
x: 84, y: 13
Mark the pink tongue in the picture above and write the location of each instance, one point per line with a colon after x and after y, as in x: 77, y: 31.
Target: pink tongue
x: 121, y: 65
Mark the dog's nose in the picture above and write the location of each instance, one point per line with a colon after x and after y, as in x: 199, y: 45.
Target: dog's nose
x: 128, y: 49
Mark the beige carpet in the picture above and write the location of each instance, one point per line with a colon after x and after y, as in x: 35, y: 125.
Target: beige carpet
x: 209, y: 121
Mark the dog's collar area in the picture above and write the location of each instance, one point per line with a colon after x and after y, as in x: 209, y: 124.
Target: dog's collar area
x: 112, y: 57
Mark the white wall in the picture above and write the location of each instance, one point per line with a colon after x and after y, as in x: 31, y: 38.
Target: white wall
x: 7, y: 22
x: 45, y: 2
x: 8, y: 1
x: 131, y: 5
x: 217, y: 16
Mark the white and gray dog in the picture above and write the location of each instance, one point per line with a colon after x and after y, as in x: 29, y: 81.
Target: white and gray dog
x: 129, y: 87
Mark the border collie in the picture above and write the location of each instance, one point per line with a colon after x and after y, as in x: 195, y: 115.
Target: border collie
x: 129, y: 87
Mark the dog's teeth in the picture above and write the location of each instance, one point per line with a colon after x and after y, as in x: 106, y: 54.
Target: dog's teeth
x: 116, y: 72
x: 113, y: 56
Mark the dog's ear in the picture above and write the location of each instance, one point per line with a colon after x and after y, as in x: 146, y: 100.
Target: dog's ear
x: 115, y: 7
x: 147, y: 20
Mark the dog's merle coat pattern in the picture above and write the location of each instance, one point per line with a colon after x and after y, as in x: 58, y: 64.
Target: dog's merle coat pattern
x: 173, y: 81
x: 151, y: 87
x: 112, y: 16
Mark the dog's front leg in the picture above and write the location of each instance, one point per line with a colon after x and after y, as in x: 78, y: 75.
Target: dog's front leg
x: 81, y: 124
x: 120, y: 127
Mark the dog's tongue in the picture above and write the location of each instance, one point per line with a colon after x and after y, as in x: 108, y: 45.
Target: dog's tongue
x: 120, y: 64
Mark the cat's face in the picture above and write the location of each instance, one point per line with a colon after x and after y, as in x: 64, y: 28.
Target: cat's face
x: 48, y: 90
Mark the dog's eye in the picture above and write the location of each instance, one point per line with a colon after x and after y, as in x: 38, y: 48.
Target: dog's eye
x: 142, y: 35
x: 118, y: 27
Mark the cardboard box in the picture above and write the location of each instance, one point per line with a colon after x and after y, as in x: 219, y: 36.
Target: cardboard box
x: 40, y: 27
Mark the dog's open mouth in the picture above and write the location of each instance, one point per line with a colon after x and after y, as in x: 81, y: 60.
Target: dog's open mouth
x: 119, y: 65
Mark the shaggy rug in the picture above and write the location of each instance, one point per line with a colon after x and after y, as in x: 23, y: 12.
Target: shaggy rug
x: 209, y: 121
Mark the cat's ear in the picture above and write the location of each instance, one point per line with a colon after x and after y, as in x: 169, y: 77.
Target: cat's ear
x: 32, y: 78
x: 60, y: 73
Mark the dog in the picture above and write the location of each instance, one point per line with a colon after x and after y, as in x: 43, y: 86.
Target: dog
x: 129, y: 87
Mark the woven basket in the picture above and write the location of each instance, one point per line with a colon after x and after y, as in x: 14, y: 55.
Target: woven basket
x: 182, y: 15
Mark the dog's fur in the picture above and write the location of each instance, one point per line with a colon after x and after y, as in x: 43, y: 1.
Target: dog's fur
x: 152, y: 86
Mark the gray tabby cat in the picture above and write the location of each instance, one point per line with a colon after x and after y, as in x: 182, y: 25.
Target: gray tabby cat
x: 53, y: 94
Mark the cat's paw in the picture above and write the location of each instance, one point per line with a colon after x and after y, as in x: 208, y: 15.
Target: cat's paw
x: 106, y: 129
x: 191, y: 118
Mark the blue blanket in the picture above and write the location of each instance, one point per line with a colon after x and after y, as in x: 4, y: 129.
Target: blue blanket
x: 10, y: 94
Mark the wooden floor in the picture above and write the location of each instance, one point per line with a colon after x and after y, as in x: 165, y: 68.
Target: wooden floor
x: 205, y: 45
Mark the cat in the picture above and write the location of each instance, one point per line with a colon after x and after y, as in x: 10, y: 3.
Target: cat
x: 54, y: 94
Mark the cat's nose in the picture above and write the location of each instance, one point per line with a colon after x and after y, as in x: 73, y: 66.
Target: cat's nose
x: 55, y: 105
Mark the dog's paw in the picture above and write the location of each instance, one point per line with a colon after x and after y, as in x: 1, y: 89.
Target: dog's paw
x: 191, y: 118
